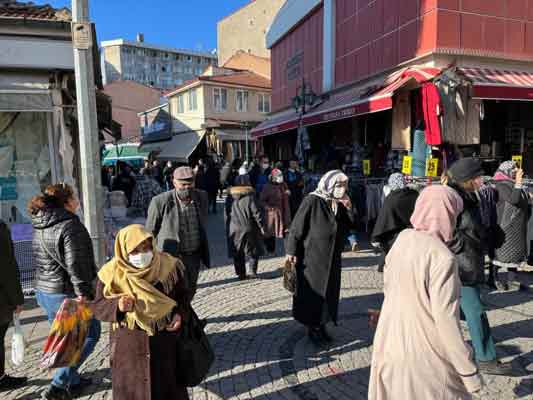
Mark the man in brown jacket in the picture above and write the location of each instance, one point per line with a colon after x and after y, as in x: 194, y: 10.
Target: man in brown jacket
x: 178, y: 220
x: 11, y: 301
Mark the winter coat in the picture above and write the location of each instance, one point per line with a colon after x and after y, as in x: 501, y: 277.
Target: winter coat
x: 142, y: 367
x: 11, y: 294
x: 164, y: 222
x: 419, y: 351
x: 212, y: 180
x: 317, y: 238
x: 244, y: 222
x: 512, y: 208
x: 394, y: 217
x: 295, y: 183
x: 63, y: 253
x: 469, y: 241
x: 275, y: 200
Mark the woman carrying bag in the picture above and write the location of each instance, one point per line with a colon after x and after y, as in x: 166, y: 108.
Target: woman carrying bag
x: 142, y: 293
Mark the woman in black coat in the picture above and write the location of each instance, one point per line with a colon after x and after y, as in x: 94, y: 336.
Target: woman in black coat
x: 314, y: 245
x: 11, y: 301
x: 245, y: 227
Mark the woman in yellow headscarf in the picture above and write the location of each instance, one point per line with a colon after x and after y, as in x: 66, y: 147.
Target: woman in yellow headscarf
x: 142, y: 293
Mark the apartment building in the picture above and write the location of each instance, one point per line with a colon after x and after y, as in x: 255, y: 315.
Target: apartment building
x: 157, y: 66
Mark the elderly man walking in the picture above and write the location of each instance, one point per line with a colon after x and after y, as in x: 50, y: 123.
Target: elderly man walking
x: 177, y: 220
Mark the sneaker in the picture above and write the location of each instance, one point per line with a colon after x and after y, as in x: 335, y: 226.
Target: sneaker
x: 10, y: 382
x: 355, y: 247
x: 80, y: 386
x: 496, y: 367
x: 56, y: 393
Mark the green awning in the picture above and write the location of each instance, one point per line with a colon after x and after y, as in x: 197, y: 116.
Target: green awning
x: 123, y: 152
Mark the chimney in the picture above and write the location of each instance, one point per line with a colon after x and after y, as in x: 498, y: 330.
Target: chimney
x: 140, y: 37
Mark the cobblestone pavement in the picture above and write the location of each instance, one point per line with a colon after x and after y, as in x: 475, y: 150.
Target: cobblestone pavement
x: 261, y: 353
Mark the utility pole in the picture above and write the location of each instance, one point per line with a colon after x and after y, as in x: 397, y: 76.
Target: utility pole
x: 88, y: 127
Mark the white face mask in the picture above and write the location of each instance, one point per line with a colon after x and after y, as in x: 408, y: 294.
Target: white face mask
x: 141, y: 260
x: 339, y: 192
x: 266, y: 166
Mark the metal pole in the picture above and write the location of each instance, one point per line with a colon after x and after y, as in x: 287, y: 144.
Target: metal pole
x: 246, y: 136
x: 89, y: 141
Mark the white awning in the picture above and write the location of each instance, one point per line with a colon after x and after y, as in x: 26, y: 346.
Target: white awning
x: 233, y: 135
x: 179, y: 148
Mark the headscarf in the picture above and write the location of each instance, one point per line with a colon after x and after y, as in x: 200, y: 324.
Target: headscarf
x: 275, y: 173
x: 505, y: 170
x: 397, y: 182
x: 326, y: 186
x: 153, y: 309
x: 436, y: 212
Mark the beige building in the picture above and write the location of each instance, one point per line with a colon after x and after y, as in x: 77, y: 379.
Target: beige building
x: 246, y: 29
x: 221, y: 108
x: 160, y: 67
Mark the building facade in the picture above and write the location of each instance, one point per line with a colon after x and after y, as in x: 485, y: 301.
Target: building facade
x: 245, y: 29
x: 160, y: 67
x: 220, y: 108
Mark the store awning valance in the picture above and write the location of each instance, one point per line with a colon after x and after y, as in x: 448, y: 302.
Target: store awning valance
x: 351, y: 102
x: 233, y: 135
x: 179, y: 148
x: 123, y: 152
x: 26, y: 101
x: 499, y: 84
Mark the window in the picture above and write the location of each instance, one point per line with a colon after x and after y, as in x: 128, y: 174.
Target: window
x: 199, y: 71
x: 189, y: 58
x: 177, y: 57
x: 193, y: 101
x: 264, y: 103
x: 242, y: 101
x: 181, y: 108
x: 164, y: 69
x: 199, y: 60
x: 220, y: 99
x: 179, y: 81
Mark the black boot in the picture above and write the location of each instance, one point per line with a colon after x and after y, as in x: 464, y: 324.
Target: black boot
x: 55, y: 393
x: 325, y: 334
x: 10, y: 382
x: 315, y: 336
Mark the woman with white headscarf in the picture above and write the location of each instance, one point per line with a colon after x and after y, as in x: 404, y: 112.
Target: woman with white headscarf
x: 315, y: 244
x: 419, y: 351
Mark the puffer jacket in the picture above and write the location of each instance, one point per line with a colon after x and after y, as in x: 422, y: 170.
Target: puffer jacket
x: 63, y: 254
x: 468, y: 241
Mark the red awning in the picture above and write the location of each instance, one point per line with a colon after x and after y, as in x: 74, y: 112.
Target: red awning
x: 499, y: 84
x: 350, y: 102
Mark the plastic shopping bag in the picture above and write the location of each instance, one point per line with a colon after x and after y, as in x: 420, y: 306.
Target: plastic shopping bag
x: 67, y: 336
x: 17, y: 342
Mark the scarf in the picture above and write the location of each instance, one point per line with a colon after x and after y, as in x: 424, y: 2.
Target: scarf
x: 153, y: 309
x: 396, y: 182
x: 326, y: 186
x: 436, y: 212
x: 505, y: 170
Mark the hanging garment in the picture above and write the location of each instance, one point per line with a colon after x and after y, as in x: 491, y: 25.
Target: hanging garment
x: 432, y: 107
x: 401, y: 123
x: 419, y: 153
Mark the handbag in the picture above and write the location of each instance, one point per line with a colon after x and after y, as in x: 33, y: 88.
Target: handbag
x: 289, y: 276
x: 194, y: 353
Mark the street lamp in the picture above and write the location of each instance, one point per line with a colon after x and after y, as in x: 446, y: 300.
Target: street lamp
x: 305, y: 98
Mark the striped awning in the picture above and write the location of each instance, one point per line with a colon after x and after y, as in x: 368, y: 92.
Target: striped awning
x: 500, y: 84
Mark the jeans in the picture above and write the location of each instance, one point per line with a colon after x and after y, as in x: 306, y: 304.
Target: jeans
x: 478, y: 324
x: 68, y: 376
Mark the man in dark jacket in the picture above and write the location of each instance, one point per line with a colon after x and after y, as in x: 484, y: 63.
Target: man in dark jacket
x: 178, y: 220
x: 11, y: 301
x: 212, y: 184
x: 468, y: 243
x: 260, y: 174
x: 295, y: 182
x: 245, y: 227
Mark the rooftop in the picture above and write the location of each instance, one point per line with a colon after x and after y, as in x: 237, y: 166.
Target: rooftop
x: 143, y: 45
x: 13, y: 9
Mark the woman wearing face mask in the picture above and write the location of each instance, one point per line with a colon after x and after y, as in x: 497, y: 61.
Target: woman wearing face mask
x: 315, y: 245
x: 63, y: 255
x: 275, y: 200
x: 468, y: 244
x: 142, y: 293
x: 419, y: 351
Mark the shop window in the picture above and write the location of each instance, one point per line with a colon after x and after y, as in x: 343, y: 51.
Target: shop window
x: 25, y: 165
x: 181, y: 105
x: 193, y: 100
x: 220, y: 99
x: 264, y: 103
x: 242, y: 101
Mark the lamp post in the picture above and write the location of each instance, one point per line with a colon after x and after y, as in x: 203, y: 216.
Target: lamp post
x: 305, y: 97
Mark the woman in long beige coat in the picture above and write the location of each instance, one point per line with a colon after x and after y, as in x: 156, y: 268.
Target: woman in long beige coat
x: 419, y: 352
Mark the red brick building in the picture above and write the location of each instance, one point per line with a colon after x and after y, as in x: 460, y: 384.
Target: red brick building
x: 361, y: 57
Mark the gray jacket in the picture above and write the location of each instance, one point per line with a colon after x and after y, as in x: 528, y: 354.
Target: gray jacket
x: 164, y: 222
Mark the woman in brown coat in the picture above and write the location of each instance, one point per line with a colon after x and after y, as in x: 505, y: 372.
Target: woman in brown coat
x: 141, y: 292
x: 275, y: 200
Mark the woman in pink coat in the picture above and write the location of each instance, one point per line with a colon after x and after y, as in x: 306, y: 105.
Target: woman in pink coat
x: 419, y: 352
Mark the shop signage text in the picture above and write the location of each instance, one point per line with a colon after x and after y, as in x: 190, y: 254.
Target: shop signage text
x: 8, y: 188
x: 366, y: 167
x: 294, y: 66
x: 432, y: 167
x: 518, y: 160
x: 407, y: 165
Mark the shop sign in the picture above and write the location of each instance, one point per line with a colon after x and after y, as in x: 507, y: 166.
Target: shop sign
x: 157, y: 125
x: 8, y: 188
x: 407, y: 165
x: 366, y: 167
x: 82, y: 38
x: 432, y: 167
x: 294, y: 66
x: 518, y: 160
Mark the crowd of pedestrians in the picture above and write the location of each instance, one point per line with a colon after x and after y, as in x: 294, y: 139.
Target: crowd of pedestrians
x: 436, y: 242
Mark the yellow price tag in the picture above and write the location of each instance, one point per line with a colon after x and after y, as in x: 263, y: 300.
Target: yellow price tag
x: 407, y: 165
x: 432, y: 167
x: 518, y: 160
x: 366, y: 167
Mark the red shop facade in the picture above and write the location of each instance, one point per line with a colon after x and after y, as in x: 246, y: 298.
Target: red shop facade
x: 379, y: 70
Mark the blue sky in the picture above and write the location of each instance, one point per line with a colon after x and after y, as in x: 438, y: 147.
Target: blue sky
x: 189, y: 24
